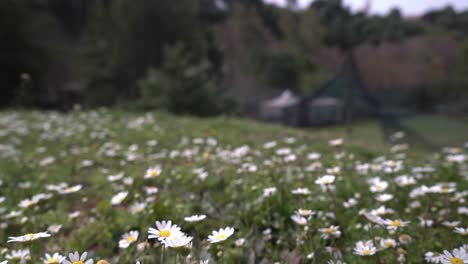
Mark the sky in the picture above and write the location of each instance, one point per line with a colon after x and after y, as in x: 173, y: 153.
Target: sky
x: 408, y: 7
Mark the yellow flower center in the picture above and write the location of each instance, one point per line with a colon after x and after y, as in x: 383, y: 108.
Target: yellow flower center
x: 52, y: 261
x: 329, y: 230
x: 130, y: 239
x: 165, y: 233
x: 395, y: 223
x: 456, y: 260
x: 153, y: 173
x: 221, y: 236
x: 78, y: 262
x: 366, y: 251
x: 389, y: 243
x: 30, y: 236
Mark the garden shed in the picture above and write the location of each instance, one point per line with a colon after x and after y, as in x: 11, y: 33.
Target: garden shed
x: 281, y: 109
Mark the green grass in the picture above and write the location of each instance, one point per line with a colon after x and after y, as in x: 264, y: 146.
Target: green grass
x: 440, y: 130
x: 239, y: 168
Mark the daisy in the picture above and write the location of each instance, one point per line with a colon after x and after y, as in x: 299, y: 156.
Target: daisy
x: 239, y: 242
x: 68, y: 190
x: 151, y: 190
x: 330, y: 231
x: 221, y: 235
x: 305, y: 212
x: 378, y: 186
x: 74, y: 214
x: 137, y: 208
x: 405, y: 239
x: 432, y: 257
x: 404, y: 181
x: 388, y: 243
x: 457, y: 256
x: 27, y: 203
x: 335, y: 142
x: 76, y: 259
x: 269, y: 191
x: 384, y: 197
x: 54, y: 228
x: 314, y: 156
x: 118, y: 198
x: 334, y: 170
x: 461, y: 231
x: 180, y: 240
x: 164, y: 230
x: 326, y: 179
x: 117, y: 177
x: 299, y: 219
x: 153, y: 172
x: 21, y: 255
x: 425, y: 222
x: 365, y: 248
x: 452, y: 224
x: 28, y: 237
x: 350, y: 203
x: 303, y: 191
x: 56, y: 258
x: 395, y: 224
x: 194, y: 218
x: 128, y: 238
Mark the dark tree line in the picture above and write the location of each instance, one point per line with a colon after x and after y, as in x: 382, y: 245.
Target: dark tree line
x: 57, y: 53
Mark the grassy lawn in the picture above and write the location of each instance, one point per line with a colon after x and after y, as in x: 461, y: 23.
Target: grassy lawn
x: 440, y: 130
x: 101, y: 174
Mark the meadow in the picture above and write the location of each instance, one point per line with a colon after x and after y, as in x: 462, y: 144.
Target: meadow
x: 105, y: 184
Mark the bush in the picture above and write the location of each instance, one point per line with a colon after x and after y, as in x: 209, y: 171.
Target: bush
x: 183, y: 85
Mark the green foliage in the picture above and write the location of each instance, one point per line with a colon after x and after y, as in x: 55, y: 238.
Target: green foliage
x: 24, y: 56
x: 347, y: 30
x: 125, y: 38
x: 182, y: 85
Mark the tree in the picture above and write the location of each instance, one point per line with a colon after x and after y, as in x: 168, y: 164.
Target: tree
x: 183, y: 85
x: 27, y: 46
x: 124, y: 38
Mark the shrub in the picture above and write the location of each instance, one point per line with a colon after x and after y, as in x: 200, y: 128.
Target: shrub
x: 183, y: 85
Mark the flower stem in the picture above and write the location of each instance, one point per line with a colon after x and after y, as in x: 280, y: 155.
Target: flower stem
x: 163, y: 251
x: 222, y: 256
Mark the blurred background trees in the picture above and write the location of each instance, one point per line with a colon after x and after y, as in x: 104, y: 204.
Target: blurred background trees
x: 188, y: 56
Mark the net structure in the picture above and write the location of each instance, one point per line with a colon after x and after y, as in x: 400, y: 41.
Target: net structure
x: 345, y: 99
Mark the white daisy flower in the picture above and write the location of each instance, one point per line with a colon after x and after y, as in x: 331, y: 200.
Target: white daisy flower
x: 194, y: 218
x: 395, y: 224
x: 300, y: 220
x: 164, y: 230
x: 56, y: 258
x: 457, y: 256
x: 461, y: 231
x: 153, y: 172
x: 128, y: 238
x: 75, y: 258
x: 180, y: 240
x: 221, y: 235
x: 330, y: 231
x: 365, y: 248
x: 21, y: 255
x: 28, y: 237
x: 118, y: 198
